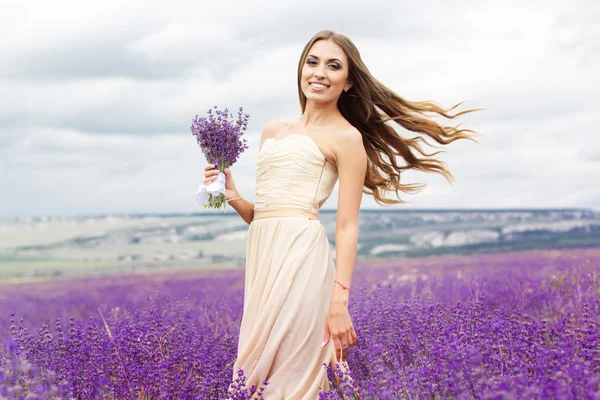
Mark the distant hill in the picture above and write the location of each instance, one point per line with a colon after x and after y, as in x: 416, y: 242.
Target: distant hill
x: 421, y: 233
x: 53, y: 246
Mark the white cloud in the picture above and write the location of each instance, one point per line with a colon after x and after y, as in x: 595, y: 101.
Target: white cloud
x: 96, y: 99
x: 181, y: 41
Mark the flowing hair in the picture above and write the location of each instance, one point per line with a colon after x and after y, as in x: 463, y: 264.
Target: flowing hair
x: 368, y: 105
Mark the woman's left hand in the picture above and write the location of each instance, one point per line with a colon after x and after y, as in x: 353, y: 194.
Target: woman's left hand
x: 338, y: 327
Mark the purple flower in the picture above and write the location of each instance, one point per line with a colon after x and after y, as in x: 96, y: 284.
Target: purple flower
x: 220, y: 138
x: 521, y: 325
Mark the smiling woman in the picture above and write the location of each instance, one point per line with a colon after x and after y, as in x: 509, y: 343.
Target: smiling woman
x: 368, y: 105
x: 296, y: 317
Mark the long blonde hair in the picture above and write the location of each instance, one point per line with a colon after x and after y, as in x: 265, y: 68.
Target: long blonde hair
x: 368, y: 105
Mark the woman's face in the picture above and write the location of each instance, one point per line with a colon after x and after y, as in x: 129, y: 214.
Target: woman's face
x: 325, y: 72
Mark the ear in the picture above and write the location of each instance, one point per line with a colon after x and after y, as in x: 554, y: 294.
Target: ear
x: 347, y: 87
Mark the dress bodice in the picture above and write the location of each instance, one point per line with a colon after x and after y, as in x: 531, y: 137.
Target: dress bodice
x: 292, y: 173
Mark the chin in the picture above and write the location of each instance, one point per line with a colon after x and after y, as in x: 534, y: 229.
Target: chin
x: 319, y: 97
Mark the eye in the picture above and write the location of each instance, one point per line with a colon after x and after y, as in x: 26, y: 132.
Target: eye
x: 311, y: 62
x: 335, y: 66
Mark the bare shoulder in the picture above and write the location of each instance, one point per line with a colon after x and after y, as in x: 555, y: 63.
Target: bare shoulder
x: 271, y: 128
x: 349, y: 141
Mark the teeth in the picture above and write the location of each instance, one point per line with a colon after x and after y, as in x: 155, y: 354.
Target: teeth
x: 318, y: 85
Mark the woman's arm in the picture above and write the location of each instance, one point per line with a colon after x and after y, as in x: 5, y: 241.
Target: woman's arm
x: 243, y: 207
x: 352, y: 166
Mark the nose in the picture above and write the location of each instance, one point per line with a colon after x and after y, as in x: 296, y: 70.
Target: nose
x: 320, y: 72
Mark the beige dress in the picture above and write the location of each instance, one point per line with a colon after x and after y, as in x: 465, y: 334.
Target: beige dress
x: 289, y: 272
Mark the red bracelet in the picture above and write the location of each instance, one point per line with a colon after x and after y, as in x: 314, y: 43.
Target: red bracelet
x: 345, y: 287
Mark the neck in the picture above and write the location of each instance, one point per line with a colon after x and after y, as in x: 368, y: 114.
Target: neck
x: 319, y: 114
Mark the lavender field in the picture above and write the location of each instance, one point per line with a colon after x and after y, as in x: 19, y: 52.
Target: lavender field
x: 522, y: 325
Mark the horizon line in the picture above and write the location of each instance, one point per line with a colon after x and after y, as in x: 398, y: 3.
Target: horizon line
x: 327, y: 211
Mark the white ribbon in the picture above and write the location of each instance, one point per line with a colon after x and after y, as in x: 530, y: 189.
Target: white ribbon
x: 215, y: 188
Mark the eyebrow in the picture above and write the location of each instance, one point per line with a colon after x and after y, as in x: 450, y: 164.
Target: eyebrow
x: 331, y: 59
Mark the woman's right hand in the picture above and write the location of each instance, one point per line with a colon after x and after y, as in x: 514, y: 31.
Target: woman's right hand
x: 210, y: 174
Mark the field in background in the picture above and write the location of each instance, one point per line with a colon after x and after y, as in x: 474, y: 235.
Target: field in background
x: 32, y: 248
x: 499, y: 325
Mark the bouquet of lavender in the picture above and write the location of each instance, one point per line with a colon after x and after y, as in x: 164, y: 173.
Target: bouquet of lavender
x: 220, y: 138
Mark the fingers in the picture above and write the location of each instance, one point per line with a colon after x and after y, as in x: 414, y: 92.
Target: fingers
x: 210, y: 174
x: 326, y: 336
x: 341, y: 332
x: 343, y: 343
x: 227, y: 173
x: 346, y: 345
x: 339, y: 348
x: 351, y: 337
x: 349, y: 341
x: 210, y: 179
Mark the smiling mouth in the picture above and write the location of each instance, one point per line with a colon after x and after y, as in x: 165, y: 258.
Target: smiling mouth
x: 318, y: 86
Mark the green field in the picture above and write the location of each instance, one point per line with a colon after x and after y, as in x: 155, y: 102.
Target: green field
x: 51, y: 247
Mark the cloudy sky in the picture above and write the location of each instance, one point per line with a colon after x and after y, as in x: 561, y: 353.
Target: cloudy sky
x: 97, y: 98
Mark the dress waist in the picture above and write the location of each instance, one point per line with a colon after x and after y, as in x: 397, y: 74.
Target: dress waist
x: 284, y: 212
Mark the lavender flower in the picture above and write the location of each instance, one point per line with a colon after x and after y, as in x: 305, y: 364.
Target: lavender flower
x: 521, y: 325
x: 220, y: 138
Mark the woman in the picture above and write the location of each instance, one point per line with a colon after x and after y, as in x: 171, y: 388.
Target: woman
x: 296, y: 300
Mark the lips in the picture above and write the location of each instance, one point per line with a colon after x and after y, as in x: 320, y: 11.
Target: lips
x: 318, y: 85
